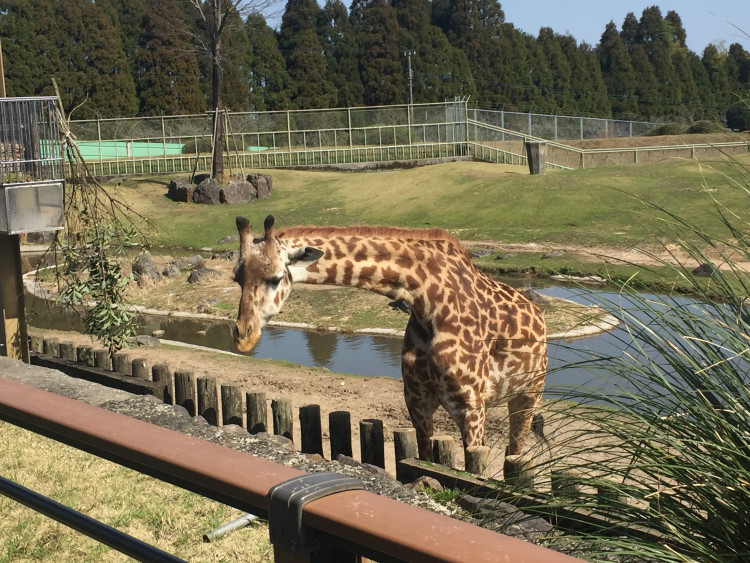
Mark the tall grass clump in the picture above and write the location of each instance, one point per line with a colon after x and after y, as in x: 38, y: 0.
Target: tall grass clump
x: 657, y: 450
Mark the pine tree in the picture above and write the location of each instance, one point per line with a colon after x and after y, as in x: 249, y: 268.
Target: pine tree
x: 646, y: 85
x: 559, y: 70
x: 29, y: 54
x: 376, y: 30
x: 270, y: 85
x: 706, y: 98
x: 586, y: 82
x: 298, y: 42
x: 617, y: 72
x: 167, y: 71
x: 129, y: 18
x: 678, y: 33
x: 95, y: 76
x: 714, y: 63
x: 336, y: 35
x: 440, y: 71
x: 629, y: 32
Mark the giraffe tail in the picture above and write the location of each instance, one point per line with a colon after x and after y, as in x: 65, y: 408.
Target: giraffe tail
x: 537, y: 426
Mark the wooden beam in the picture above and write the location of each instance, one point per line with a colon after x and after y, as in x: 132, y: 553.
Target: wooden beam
x: 13, y: 333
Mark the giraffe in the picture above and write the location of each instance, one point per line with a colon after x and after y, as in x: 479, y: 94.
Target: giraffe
x: 469, y: 341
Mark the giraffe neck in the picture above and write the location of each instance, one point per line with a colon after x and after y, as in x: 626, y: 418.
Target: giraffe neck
x: 398, y: 263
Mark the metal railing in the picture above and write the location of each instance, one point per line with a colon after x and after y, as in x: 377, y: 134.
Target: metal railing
x: 352, y: 136
x: 353, y: 522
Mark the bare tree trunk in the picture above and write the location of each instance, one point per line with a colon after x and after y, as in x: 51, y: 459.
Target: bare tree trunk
x: 217, y: 158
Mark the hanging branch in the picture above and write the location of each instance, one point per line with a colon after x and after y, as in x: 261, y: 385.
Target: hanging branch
x: 99, y: 228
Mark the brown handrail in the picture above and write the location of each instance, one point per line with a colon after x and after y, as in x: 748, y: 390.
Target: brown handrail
x: 375, y: 524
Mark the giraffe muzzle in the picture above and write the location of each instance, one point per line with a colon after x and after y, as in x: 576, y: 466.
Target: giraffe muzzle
x: 245, y: 341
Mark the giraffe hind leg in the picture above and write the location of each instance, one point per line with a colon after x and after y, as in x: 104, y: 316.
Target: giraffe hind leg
x: 522, y: 420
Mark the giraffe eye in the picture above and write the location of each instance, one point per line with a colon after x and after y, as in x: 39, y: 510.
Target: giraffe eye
x: 275, y: 281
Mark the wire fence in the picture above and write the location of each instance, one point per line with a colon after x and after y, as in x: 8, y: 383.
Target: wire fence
x: 352, y: 136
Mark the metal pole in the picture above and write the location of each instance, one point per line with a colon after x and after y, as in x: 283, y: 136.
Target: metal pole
x: 2, y: 73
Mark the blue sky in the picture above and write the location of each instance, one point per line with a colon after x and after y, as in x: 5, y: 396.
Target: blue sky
x: 705, y: 21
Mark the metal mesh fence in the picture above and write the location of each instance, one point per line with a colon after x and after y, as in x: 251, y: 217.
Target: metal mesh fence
x: 351, y: 135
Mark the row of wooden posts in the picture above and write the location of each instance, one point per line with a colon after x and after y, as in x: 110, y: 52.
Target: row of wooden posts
x: 223, y: 405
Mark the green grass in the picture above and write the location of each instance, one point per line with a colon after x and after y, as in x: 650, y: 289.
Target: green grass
x: 475, y: 201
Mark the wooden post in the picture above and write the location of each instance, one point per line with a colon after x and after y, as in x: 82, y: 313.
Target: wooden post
x: 139, y: 368
x: 231, y: 405
x: 68, y: 351
x: 85, y: 355
x: 208, y: 400
x: 372, y: 442
x: 340, y: 430
x: 257, y: 412
x: 518, y: 471
x: 442, y: 450
x: 477, y: 460
x: 121, y: 363
x: 160, y: 374
x: 311, y: 435
x: 37, y: 344
x: 51, y: 347
x: 565, y: 482
x: 14, y: 338
x: 102, y: 359
x: 283, y: 424
x: 184, y: 390
x: 405, y: 446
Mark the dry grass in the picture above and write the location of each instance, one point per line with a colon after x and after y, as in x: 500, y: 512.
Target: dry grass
x: 166, y: 516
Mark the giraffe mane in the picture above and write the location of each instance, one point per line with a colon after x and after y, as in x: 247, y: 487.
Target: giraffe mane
x: 369, y: 231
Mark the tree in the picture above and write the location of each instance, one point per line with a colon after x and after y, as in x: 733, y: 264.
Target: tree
x: 209, y: 27
x: 559, y: 70
x: 376, y: 30
x: 270, y: 85
x: 617, y: 72
x: 168, y: 74
x: 94, y: 73
x: 738, y: 115
x: 336, y: 36
x: 586, y: 82
x: 646, y: 85
x: 713, y: 61
x: 298, y: 42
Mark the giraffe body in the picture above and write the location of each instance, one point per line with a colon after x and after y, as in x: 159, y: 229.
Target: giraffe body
x: 470, y: 341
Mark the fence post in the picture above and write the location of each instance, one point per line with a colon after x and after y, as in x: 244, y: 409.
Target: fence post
x: 85, y: 355
x: 372, y: 442
x: 405, y: 446
x: 51, y: 347
x: 121, y: 363
x: 208, y: 400
x: 68, y: 351
x: 340, y: 432
x: 281, y: 412
x: 231, y: 405
x: 184, y: 390
x: 160, y: 374
x: 257, y: 412
x: 442, y: 450
x: 102, y: 359
x: 477, y: 460
x: 139, y: 368
x: 311, y: 441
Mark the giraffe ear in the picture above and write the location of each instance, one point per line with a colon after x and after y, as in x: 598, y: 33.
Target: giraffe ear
x: 300, y: 259
x: 305, y: 256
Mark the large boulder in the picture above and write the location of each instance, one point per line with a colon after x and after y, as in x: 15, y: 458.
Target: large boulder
x: 238, y: 192
x: 180, y: 189
x: 208, y: 191
x: 144, y: 269
x: 263, y: 184
x: 203, y: 275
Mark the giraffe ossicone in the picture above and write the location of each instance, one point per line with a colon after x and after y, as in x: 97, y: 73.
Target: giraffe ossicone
x: 470, y: 340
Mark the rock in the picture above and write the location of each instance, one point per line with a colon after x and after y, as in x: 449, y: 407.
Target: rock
x: 504, y: 256
x: 482, y: 253
x: 180, y: 189
x: 171, y: 271
x: 145, y: 340
x: 228, y: 255
x: 144, y: 269
x: 553, y: 254
x: 314, y: 457
x: 226, y: 240
x: 233, y: 429
x: 505, y: 518
x: 207, y: 192
x: 157, y: 333
x: 351, y: 462
x: 704, y: 271
x: 208, y: 306
x: 196, y: 262
x: 424, y: 483
x: 204, y: 274
x: 535, y: 297
x: 262, y: 184
x: 238, y: 192
x: 180, y: 410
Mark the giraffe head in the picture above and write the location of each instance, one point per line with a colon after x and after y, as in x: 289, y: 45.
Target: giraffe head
x: 263, y: 273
